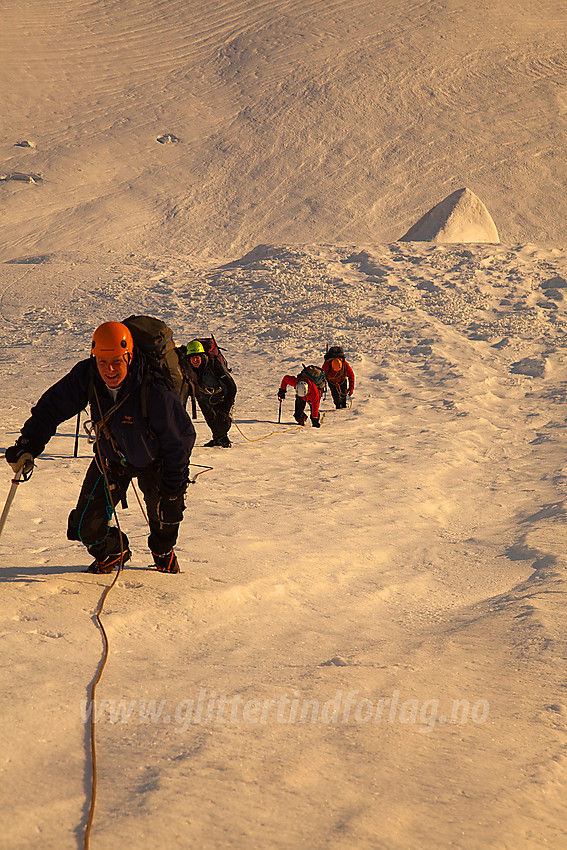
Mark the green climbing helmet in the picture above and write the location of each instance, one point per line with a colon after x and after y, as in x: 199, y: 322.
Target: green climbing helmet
x: 195, y: 348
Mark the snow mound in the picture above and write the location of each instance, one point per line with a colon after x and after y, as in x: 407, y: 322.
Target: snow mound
x: 461, y: 217
x: 256, y: 255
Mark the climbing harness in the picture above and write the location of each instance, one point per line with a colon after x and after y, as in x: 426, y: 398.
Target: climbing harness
x: 212, y: 394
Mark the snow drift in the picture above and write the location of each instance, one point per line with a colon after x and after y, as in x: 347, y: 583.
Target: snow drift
x: 460, y: 217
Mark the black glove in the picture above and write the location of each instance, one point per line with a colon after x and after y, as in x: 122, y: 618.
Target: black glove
x: 281, y: 394
x: 315, y: 422
x: 170, y: 508
x: 20, y: 456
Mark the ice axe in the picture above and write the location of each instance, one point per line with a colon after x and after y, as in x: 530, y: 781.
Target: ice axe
x: 22, y: 474
x: 280, y: 413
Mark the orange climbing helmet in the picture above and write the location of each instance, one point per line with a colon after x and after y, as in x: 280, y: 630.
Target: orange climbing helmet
x: 112, y: 339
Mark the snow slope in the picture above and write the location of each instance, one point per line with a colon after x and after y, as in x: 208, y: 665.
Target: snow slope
x: 366, y: 646
x: 411, y: 546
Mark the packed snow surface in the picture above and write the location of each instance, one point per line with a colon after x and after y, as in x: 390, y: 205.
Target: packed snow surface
x: 366, y: 645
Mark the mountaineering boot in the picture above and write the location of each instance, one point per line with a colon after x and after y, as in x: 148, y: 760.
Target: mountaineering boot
x: 301, y: 419
x: 106, y: 565
x: 223, y: 442
x: 167, y: 563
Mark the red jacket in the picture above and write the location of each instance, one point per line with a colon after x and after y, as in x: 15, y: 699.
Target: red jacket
x: 312, y: 396
x: 340, y: 376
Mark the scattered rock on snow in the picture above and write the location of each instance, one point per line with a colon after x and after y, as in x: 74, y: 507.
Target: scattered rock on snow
x: 37, y: 259
x: 22, y: 177
x: 335, y: 661
x: 168, y: 139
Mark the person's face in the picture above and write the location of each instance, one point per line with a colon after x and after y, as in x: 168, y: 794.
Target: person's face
x: 112, y: 370
x: 195, y: 360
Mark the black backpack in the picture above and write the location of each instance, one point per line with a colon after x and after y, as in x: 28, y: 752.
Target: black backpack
x: 155, y: 339
x: 316, y: 375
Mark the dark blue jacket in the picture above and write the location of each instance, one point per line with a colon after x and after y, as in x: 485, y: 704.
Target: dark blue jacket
x: 164, y: 439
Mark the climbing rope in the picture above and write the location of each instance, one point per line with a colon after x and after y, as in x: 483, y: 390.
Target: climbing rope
x: 271, y: 434
x: 265, y: 437
x: 91, y: 692
x: 144, y: 514
x: 203, y: 470
x: 90, y: 703
x: 98, y: 613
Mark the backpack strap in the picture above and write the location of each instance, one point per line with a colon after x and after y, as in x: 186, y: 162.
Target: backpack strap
x: 93, y: 396
x: 102, y: 424
x: 145, y: 387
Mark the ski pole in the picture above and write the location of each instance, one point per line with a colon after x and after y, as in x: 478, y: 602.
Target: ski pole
x: 19, y: 476
x: 280, y: 412
x: 76, y: 449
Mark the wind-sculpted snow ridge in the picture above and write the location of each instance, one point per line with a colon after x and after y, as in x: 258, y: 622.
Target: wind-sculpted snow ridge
x: 461, y: 217
x: 297, y: 122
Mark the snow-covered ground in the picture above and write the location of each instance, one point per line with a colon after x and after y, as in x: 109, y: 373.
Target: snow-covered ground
x: 366, y: 645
